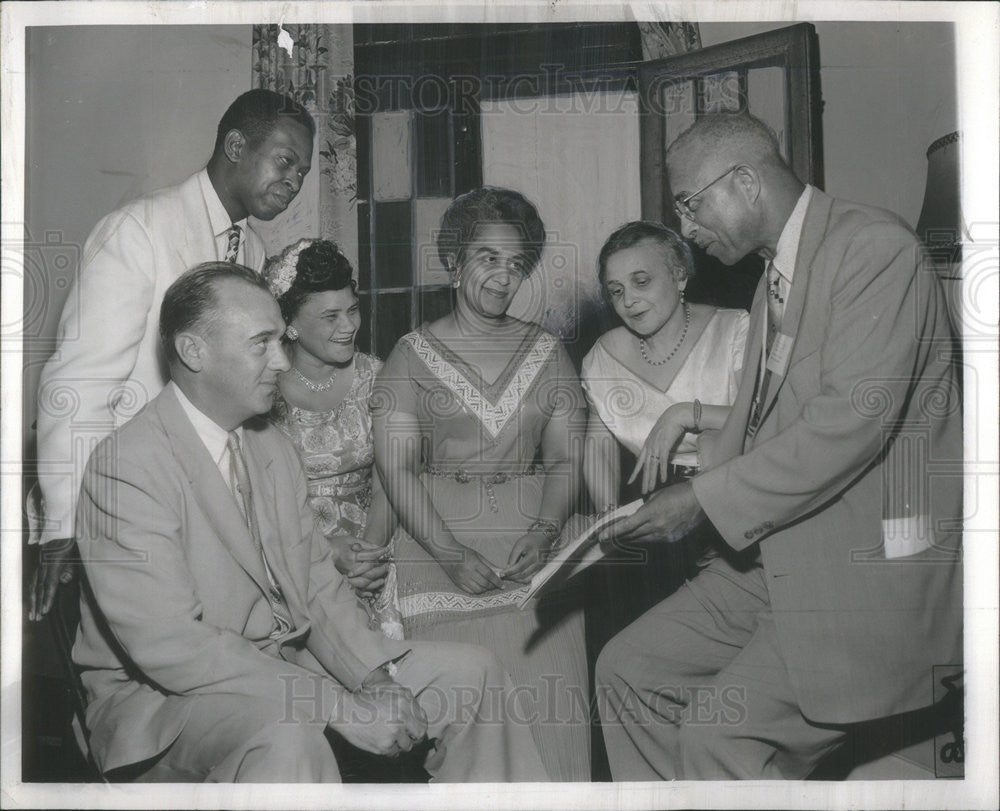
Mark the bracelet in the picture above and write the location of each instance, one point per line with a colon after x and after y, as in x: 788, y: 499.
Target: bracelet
x: 696, y: 409
x: 550, y: 529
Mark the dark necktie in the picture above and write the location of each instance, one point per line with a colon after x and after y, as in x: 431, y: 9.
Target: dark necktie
x: 233, y: 246
x: 240, y: 473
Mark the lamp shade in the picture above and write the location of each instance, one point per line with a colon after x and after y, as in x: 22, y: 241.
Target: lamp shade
x: 940, y: 223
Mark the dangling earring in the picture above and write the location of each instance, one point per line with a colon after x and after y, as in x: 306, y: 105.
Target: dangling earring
x: 456, y: 280
x: 292, y: 333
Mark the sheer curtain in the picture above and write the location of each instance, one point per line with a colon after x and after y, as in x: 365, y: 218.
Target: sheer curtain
x: 314, y: 64
x: 576, y: 157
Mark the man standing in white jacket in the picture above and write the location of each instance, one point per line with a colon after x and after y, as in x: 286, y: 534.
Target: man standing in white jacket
x: 107, y: 362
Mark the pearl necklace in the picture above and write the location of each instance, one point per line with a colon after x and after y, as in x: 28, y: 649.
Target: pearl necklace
x: 317, y: 387
x: 645, y: 352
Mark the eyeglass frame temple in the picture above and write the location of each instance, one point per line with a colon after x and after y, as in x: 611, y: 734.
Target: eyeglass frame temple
x: 681, y: 208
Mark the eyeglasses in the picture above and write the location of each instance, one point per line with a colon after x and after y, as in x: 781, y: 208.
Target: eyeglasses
x: 681, y: 206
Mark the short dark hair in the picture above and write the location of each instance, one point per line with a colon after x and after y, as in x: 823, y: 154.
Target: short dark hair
x: 489, y: 204
x: 192, y: 296
x: 729, y: 133
x: 255, y: 113
x: 632, y: 233
x: 320, y: 266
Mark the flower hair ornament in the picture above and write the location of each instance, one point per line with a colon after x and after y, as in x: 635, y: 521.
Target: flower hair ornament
x: 281, y: 270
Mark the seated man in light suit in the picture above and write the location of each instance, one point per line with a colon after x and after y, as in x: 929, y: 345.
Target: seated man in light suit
x: 849, y: 591
x: 219, y: 638
x: 107, y: 363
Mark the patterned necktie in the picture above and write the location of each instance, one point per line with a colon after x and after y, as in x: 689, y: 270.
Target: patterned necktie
x: 775, y: 309
x: 240, y: 473
x: 775, y: 304
x: 233, y: 246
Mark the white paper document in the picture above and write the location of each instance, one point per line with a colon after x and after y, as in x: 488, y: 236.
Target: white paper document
x: 578, y: 554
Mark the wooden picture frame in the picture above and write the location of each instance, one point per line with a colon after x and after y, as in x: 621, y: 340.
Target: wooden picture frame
x: 774, y: 75
x: 745, y: 69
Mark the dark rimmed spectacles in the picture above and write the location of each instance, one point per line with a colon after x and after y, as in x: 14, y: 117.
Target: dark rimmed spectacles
x: 681, y: 207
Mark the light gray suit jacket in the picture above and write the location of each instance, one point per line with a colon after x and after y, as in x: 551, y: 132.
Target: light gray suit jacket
x: 852, y: 486
x: 180, y: 587
x: 108, y: 364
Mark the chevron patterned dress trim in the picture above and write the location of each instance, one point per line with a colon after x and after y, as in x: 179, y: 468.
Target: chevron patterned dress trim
x: 492, y: 416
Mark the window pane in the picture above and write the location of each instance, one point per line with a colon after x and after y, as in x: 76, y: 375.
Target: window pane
x: 720, y: 92
x: 362, y: 136
x: 433, y: 133
x: 427, y: 213
x: 678, y: 109
x: 391, y: 155
x: 364, y: 339
x: 766, y: 100
x: 392, y: 245
x: 468, y: 145
x: 392, y: 320
x: 432, y: 303
x: 364, y: 246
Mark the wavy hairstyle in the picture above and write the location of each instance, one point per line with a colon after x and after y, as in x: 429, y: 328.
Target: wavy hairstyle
x: 485, y: 205
x: 306, y: 267
x: 677, y: 251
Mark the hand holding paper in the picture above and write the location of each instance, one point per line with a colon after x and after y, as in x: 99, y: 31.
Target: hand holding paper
x: 668, y: 516
x: 578, y: 554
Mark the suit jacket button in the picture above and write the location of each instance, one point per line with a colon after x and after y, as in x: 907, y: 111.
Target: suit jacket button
x: 748, y: 534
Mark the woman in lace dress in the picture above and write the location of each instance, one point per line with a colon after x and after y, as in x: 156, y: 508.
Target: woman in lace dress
x: 323, y: 407
x: 479, y: 422
x: 653, y: 384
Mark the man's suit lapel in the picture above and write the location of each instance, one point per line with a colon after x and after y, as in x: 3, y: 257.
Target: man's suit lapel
x: 195, y: 241
x: 813, y: 230
x: 210, y: 489
x: 261, y: 467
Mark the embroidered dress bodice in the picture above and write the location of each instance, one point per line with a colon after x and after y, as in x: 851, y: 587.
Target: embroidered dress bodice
x: 478, y: 426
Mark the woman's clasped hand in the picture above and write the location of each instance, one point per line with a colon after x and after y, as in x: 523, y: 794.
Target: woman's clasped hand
x: 365, y: 566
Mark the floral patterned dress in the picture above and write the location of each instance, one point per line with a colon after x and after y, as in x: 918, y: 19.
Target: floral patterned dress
x: 337, y: 453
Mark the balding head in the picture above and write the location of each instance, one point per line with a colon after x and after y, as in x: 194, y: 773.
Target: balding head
x: 733, y: 137
x: 733, y: 190
x: 222, y: 329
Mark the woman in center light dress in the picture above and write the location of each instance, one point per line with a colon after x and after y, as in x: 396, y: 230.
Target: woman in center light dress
x: 479, y: 425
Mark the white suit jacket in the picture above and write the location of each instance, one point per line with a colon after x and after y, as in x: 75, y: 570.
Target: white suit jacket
x: 108, y: 363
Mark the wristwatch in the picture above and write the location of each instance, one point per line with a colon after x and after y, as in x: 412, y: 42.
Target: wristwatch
x: 550, y: 529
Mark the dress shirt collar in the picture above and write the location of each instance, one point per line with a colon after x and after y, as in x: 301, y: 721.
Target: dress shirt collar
x: 211, y: 433
x: 788, y: 243
x: 217, y: 214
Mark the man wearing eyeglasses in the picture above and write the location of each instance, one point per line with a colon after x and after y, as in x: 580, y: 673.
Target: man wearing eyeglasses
x: 846, y: 589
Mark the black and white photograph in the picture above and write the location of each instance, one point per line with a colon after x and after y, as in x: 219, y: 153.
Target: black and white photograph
x: 538, y: 405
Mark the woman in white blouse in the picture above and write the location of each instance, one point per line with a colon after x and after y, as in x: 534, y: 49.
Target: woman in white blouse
x: 668, y: 373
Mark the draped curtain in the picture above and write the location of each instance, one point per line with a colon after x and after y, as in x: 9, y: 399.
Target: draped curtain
x: 662, y: 39
x: 577, y: 158
x: 314, y: 64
